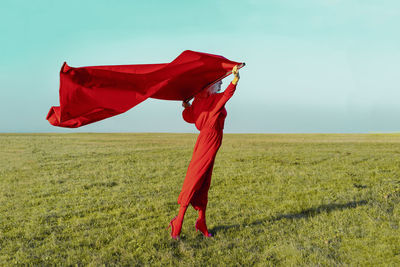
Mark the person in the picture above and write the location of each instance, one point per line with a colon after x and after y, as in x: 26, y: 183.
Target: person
x: 208, y: 113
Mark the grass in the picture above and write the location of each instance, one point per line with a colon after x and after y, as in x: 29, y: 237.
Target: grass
x: 288, y: 200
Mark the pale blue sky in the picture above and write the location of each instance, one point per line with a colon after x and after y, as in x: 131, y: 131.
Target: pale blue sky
x: 312, y: 65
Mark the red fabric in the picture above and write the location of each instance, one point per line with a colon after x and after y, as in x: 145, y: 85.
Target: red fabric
x: 90, y: 94
x: 209, y: 115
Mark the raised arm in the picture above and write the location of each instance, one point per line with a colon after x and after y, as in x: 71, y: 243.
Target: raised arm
x: 229, y: 91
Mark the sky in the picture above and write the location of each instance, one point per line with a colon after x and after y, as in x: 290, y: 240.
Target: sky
x: 312, y: 66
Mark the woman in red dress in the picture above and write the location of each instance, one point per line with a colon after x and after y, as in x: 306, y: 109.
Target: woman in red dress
x: 208, y: 113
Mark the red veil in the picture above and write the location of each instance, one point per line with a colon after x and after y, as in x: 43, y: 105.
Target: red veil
x: 90, y: 94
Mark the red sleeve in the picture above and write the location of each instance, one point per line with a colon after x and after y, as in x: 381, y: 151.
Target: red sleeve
x: 226, y: 95
x: 188, y: 115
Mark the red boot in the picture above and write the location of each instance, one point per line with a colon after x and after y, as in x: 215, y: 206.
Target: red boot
x: 201, y: 225
x: 175, y: 229
x: 176, y: 223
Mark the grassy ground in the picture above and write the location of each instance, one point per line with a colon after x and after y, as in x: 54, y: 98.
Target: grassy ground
x: 274, y: 200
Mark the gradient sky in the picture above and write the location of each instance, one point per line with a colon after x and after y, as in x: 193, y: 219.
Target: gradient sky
x: 311, y: 65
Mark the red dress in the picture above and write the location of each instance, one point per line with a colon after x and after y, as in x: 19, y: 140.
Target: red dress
x: 209, y: 115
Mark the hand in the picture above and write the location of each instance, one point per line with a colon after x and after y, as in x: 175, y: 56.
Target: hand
x: 235, y: 73
x: 186, y: 104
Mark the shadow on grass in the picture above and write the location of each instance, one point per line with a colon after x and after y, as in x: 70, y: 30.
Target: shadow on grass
x: 292, y: 216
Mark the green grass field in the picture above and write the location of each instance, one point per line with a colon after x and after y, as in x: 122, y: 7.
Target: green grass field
x: 278, y: 199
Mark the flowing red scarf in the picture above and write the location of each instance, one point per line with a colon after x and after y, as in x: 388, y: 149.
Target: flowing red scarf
x: 90, y: 94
